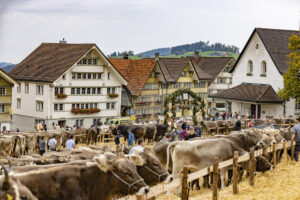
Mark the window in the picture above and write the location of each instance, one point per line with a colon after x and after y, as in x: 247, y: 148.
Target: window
x: 73, y: 76
x: 95, y: 105
x: 176, y: 85
x: 19, y: 89
x: 184, y: 74
x: 108, y: 91
x: 94, y: 76
x: 113, y: 106
x: 18, y: 103
x: 201, y: 84
x: 164, y: 85
x: 56, y: 90
x: 89, y: 61
x: 84, y: 76
x: 84, y: 61
x: 89, y: 75
x: 230, y: 81
x: 81, y: 122
x: 2, y: 108
x: 94, y: 61
x: 203, y: 95
x: 263, y: 68
x: 151, y: 86
x: 82, y: 90
x: 227, y: 69
x: 187, y: 85
x: 108, y: 76
x: 61, y: 90
x: 64, y: 77
x: 93, y: 90
x: 61, y: 106
x: 98, y: 90
x: 107, y: 105
x: 2, y: 91
x: 113, y: 90
x: 39, y: 105
x: 77, y: 90
x: 56, y: 107
x: 221, y: 80
x: 72, y: 90
x: 26, y: 88
x: 39, y: 89
x: 78, y: 75
x: 79, y: 62
x: 250, y: 68
x: 88, y: 91
x: 73, y: 105
x: 99, y: 75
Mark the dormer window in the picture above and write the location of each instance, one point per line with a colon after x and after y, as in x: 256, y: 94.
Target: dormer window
x: 64, y: 77
x: 256, y: 46
x: 94, y: 61
x: 108, y: 76
x: 89, y: 61
x: 263, y: 68
x: 250, y: 68
x: 84, y: 61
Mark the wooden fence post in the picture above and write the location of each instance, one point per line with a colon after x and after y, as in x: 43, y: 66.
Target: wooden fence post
x: 235, y: 173
x: 274, y: 155
x: 184, y: 189
x: 215, y: 179
x: 227, y: 131
x: 252, y: 167
x: 292, y: 150
x: 285, y: 154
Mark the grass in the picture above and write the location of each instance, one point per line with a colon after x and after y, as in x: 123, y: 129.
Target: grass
x: 203, y: 54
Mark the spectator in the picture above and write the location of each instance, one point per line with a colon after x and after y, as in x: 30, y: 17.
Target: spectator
x: 250, y: 124
x: 184, y: 126
x: 179, y: 133
x: 139, y: 147
x: 191, y: 134
x: 42, y: 145
x: 296, y: 137
x: 45, y: 127
x: 118, y: 136
x: 198, y: 131
x: 224, y: 115
x: 52, y: 144
x: 130, y: 137
x: 70, y: 144
x: 184, y: 133
x: 166, y: 138
x: 217, y: 115
x: 238, y: 125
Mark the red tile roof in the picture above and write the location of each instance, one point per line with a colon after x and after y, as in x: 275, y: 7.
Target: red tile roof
x: 136, y: 72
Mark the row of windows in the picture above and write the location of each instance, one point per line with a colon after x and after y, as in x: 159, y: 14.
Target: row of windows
x: 2, y: 91
x: 224, y: 80
x: 151, y: 86
x: 89, y: 61
x: 88, y: 75
x: 263, y: 68
x: 201, y: 84
x: 39, y: 89
x: 79, y: 91
x: 84, y: 105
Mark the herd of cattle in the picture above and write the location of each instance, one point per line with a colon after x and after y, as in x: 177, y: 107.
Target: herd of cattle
x: 92, y: 172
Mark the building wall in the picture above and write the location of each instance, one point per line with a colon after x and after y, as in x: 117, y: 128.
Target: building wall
x: 273, y: 77
x: 5, y: 100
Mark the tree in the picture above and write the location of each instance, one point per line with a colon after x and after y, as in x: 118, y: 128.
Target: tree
x: 291, y: 82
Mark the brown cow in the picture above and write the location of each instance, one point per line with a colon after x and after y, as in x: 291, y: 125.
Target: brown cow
x: 116, y: 175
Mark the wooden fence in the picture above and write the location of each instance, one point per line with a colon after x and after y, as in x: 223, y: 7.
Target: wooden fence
x: 162, y: 188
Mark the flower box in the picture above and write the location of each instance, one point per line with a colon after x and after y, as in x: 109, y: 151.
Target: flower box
x: 156, y: 114
x: 113, y: 95
x: 61, y: 96
x: 143, y: 103
x: 158, y: 101
x: 85, y: 111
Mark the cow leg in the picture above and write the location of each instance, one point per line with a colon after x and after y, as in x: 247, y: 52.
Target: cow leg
x: 230, y: 174
x: 206, y: 181
x: 222, y: 177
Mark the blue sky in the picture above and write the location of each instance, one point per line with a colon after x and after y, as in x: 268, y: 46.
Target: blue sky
x: 138, y: 25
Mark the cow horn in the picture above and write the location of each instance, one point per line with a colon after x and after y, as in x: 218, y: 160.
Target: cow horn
x: 5, y: 184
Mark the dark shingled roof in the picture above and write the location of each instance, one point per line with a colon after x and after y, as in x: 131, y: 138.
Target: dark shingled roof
x: 213, y: 65
x: 250, y: 92
x: 136, y: 72
x: 276, y: 42
x: 172, y: 68
x: 49, y: 61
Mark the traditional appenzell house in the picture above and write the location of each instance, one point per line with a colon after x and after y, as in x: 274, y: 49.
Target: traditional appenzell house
x: 65, y: 84
x: 258, y: 75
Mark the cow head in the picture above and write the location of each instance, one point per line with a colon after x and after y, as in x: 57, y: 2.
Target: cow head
x: 124, y: 172
x: 253, y: 139
x: 13, y: 189
x: 152, y: 169
x: 262, y: 164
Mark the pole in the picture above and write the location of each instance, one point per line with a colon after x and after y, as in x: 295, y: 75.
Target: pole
x: 235, y: 173
x: 252, y: 167
x: 274, y: 155
x: 285, y: 154
x: 184, y: 189
x: 215, y: 179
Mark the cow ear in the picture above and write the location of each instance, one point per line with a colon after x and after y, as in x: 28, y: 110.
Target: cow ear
x: 136, y: 159
x: 102, y: 163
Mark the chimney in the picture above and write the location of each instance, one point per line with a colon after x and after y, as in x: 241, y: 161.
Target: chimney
x: 125, y: 56
x: 63, y: 41
x: 196, y: 56
x: 156, y: 56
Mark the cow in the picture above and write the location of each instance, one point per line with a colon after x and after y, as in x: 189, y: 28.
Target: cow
x: 92, y: 135
x: 109, y: 175
x: 11, y: 188
x: 161, y: 130
x: 152, y: 170
x: 6, y: 146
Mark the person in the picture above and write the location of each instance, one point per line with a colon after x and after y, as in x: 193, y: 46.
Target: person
x: 250, y: 124
x: 130, y: 137
x: 238, y: 125
x: 179, y: 133
x: 70, y: 144
x: 224, y: 115
x: 118, y: 136
x: 217, y: 115
x: 198, y: 131
x: 45, y: 127
x: 296, y: 137
x: 191, y: 134
x: 18, y: 130
x: 52, y: 144
x: 184, y: 126
x: 139, y: 147
x: 166, y: 138
x: 184, y: 133
x: 235, y: 115
x: 104, y: 128
x: 42, y: 145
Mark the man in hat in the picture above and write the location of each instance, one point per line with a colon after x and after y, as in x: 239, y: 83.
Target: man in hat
x: 130, y: 137
x: 296, y: 137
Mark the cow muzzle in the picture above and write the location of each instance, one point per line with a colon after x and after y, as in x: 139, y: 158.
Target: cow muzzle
x: 143, y: 191
x: 272, y: 167
x: 169, y: 179
x: 283, y: 140
x: 273, y: 142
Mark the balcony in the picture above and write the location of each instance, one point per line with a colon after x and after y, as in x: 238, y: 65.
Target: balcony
x: 142, y: 103
x: 85, y: 111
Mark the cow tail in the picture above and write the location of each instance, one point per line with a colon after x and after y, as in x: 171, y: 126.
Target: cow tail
x: 169, y: 152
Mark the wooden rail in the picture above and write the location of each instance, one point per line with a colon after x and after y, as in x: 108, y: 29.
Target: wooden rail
x: 163, y: 188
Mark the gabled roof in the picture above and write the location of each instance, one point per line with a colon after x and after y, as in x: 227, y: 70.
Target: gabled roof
x: 249, y: 92
x: 213, y: 65
x: 172, y: 67
x: 136, y: 72
x: 276, y: 42
x: 9, y: 79
x: 50, y: 60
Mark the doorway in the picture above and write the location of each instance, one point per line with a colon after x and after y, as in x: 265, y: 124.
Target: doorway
x: 253, y: 111
x: 62, y: 123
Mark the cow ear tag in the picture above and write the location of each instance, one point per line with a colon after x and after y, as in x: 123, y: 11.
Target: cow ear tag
x: 137, y: 160
x: 101, y: 162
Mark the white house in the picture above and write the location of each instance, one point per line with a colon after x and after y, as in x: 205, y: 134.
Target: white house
x: 263, y: 61
x: 64, y: 84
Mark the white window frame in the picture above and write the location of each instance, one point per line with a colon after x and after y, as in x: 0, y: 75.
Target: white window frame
x: 19, y: 103
x: 19, y: 88
x: 2, y: 108
x: 2, y: 91
x: 39, y: 89
x: 26, y: 88
x: 39, y: 106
